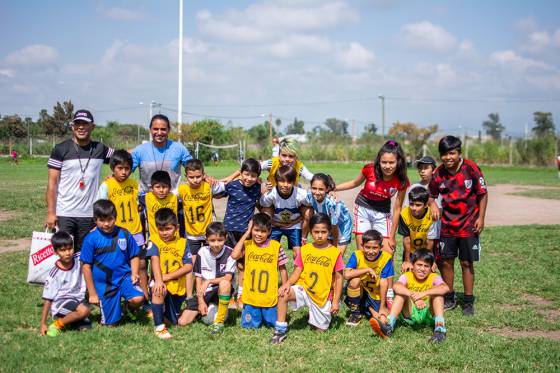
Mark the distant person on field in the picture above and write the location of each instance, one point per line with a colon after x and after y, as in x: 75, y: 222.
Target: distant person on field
x: 74, y: 171
x: 160, y: 154
x: 215, y: 157
x: 14, y: 157
x: 65, y: 290
x: 464, y: 197
x: 275, y: 146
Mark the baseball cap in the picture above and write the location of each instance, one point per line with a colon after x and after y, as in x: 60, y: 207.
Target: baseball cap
x: 426, y: 160
x: 82, y: 116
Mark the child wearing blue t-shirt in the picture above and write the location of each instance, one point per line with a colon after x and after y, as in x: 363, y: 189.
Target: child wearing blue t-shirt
x: 341, y: 220
x: 110, y: 265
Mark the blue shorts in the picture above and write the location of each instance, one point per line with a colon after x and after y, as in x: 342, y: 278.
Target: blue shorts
x: 111, y: 306
x: 172, y: 305
x: 293, y: 236
x: 367, y: 302
x: 254, y: 317
x: 345, y: 233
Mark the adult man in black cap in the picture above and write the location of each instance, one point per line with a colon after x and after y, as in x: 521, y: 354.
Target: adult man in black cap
x: 74, y: 171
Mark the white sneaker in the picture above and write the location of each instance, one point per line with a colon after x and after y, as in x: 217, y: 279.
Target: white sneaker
x: 162, y: 332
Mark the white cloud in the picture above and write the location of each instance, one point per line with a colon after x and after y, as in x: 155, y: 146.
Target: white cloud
x: 36, y: 54
x: 427, y: 36
x: 8, y: 73
x: 298, y: 43
x: 508, y: 58
x: 356, y: 56
x: 526, y: 24
x: 123, y: 14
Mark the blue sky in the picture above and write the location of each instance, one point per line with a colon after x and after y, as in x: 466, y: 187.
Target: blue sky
x: 444, y: 62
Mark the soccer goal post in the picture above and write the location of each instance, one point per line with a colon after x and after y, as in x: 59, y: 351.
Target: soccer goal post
x: 218, y: 152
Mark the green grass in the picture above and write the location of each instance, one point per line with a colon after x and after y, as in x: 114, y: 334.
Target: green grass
x: 540, y: 193
x: 511, y: 267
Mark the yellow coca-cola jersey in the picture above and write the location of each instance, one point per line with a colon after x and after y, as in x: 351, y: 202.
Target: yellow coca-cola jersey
x: 172, y: 256
x: 368, y: 284
x: 125, y: 197
x: 197, y: 207
x: 276, y: 165
x: 318, y: 267
x: 260, y: 282
x: 414, y: 285
x: 417, y: 229
x: 153, y: 204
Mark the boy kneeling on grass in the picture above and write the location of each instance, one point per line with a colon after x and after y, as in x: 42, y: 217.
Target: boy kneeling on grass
x: 419, y: 296
x: 65, y: 290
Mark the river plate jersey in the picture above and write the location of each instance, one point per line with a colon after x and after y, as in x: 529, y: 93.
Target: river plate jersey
x: 260, y: 283
x: 318, y: 268
x: 172, y: 256
x: 125, y: 197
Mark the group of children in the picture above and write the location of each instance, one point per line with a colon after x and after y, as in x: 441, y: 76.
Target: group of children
x: 168, y: 251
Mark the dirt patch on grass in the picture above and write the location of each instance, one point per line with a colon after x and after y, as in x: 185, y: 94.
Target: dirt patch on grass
x: 6, y: 215
x: 521, y: 334
x: 7, y: 246
x: 537, y: 300
x: 543, y: 307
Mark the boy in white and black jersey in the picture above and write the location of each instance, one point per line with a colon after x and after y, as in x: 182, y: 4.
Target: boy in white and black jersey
x: 65, y: 289
x: 214, y: 270
x: 74, y: 172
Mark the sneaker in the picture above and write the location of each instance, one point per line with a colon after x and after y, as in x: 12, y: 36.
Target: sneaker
x: 468, y: 309
x: 278, y: 338
x: 53, y: 331
x: 216, y: 328
x: 163, y: 333
x: 380, y: 328
x: 449, y: 303
x: 354, y: 319
x: 438, y: 337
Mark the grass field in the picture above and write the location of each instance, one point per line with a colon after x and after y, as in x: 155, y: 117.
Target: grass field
x: 518, y: 298
x: 550, y: 193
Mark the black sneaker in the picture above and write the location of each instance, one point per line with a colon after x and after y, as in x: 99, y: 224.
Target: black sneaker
x: 438, y: 337
x: 277, y: 338
x: 468, y: 309
x: 354, y: 319
x: 380, y: 328
x: 449, y: 302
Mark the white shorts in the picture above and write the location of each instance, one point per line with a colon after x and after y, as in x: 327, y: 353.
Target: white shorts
x: 319, y: 317
x: 366, y: 219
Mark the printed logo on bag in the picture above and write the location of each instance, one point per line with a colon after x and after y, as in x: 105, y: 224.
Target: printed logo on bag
x: 42, y: 254
x: 122, y: 243
x: 468, y: 183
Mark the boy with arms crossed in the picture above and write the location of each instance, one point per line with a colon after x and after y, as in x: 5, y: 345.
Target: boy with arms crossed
x: 171, y: 261
x: 462, y: 188
x: 65, y: 290
x: 110, y: 265
x: 264, y: 258
x: 367, y: 272
x: 419, y: 296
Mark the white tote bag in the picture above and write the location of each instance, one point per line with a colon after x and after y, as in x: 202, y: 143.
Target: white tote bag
x: 41, y: 258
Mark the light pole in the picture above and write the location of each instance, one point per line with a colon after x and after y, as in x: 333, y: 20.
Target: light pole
x: 382, y: 98
x: 180, y: 84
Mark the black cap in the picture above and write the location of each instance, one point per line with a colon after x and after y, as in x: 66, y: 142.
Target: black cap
x: 426, y: 160
x: 82, y: 116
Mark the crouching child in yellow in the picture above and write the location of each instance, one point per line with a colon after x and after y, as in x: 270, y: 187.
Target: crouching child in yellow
x: 264, y: 258
x: 318, y: 265
x: 170, y: 260
x: 419, y: 296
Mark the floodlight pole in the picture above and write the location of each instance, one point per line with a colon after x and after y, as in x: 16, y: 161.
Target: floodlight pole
x: 270, y: 127
x: 180, y: 83
x: 382, y: 98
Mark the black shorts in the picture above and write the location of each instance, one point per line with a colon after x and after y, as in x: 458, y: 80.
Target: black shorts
x: 143, y: 251
x: 232, y: 238
x: 210, y: 297
x: 77, y: 227
x: 173, y: 305
x: 467, y: 248
x: 70, y: 306
x: 195, y: 245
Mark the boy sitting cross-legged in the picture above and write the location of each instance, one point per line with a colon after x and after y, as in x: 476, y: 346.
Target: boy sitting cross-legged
x: 419, y: 296
x: 263, y: 259
x: 171, y: 261
x: 214, y: 270
x: 65, y: 290
x: 367, y: 272
x: 110, y: 265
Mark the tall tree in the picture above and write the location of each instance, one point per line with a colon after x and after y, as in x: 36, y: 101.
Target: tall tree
x: 337, y: 126
x: 278, y: 123
x: 371, y: 128
x: 493, y: 126
x: 297, y: 127
x: 415, y: 136
x: 544, y: 124
x: 12, y: 126
x: 62, y: 115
